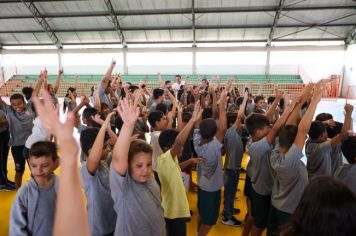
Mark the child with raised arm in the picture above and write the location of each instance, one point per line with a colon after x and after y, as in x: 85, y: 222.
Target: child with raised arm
x: 104, y: 88
x: 319, y: 149
x: 208, y: 141
x: 70, y: 216
x: 259, y: 167
x: 290, y: 173
x: 33, y: 210
x: 95, y: 174
x: 133, y: 188
x: 174, y: 198
x: 52, y: 91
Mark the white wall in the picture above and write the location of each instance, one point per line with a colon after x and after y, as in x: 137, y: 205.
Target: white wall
x: 350, y: 69
x: 316, y: 62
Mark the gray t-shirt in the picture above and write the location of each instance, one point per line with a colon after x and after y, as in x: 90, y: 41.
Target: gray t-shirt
x: 290, y: 178
x: 44, y: 218
x: 100, y: 206
x: 336, y: 158
x: 210, y: 174
x: 138, y: 206
x: 260, y: 167
x: 20, y: 123
x: 234, y: 149
x: 3, y: 118
x: 70, y: 105
x: 104, y: 98
x: 318, y: 158
x: 347, y: 174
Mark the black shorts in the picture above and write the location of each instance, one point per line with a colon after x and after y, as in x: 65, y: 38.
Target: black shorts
x: 260, y: 205
x: 276, y: 219
x: 176, y: 227
x: 19, y: 159
x: 248, y: 186
x: 208, y: 206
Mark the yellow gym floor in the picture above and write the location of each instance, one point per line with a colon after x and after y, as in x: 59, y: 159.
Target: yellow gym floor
x: 6, y: 199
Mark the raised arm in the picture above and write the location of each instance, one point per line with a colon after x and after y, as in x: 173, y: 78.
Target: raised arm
x: 129, y: 115
x: 272, y: 109
x: 41, y: 80
x: 305, y: 123
x: 241, y: 113
x: 58, y: 81
x: 179, y: 118
x: 183, y: 135
x: 107, y: 76
x: 307, y: 92
x: 279, y: 123
x: 347, y: 125
x: 220, y: 134
x: 94, y: 158
x: 70, y: 216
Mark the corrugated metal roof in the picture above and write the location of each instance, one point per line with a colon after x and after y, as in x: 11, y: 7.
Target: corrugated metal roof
x: 151, y: 21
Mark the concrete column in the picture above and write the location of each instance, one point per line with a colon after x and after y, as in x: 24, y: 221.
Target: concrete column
x: 194, y: 64
x: 60, y: 55
x: 267, y: 67
x: 124, y: 54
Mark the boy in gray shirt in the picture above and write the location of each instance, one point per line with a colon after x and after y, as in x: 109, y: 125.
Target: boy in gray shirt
x: 319, y: 150
x: 33, y: 210
x: 95, y: 174
x: 20, y: 117
x: 263, y: 136
x: 347, y: 173
x: 290, y: 173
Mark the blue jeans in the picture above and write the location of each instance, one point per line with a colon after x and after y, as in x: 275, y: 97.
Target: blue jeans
x: 231, y: 178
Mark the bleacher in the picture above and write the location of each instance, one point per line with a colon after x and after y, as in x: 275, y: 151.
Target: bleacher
x: 291, y: 83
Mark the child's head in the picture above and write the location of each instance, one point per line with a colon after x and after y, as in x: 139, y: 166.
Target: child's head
x: 348, y: 148
x: 325, y: 200
x: 186, y: 116
x: 140, y: 161
x: 208, y: 128
x: 87, y: 113
x: 260, y: 102
x: 17, y: 102
x: 257, y: 125
x: 158, y: 94
x: 43, y: 159
x: 27, y: 91
x: 50, y: 89
x: 161, y: 107
x: 270, y: 100
x: 317, y: 131
x: 72, y: 90
x: 157, y: 120
x: 167, y: 138
x: 287, y: 135
x: 87, y: 139
x: 231, y: 118
x: 324, y: 117
x: 207, y: 113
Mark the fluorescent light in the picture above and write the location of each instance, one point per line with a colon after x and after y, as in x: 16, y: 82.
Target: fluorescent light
x: 29, y: 47
x: 308, y: 43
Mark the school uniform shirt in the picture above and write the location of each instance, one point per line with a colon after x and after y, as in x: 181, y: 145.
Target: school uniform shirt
x: 318, y: 158
x: 137, y: 205
x: 234, y: 149
x: 290, y: 178
x: 104, y: 98
x: 336, y: 158
x: 20, y: 124
x: 210, y: 175
x: 174, y: 198
x: 38, y: 134
x: 33, y: 209
x: 156, y: 148
x: 347, y: 174
x: 70, y: 105
x: 100, y: 205
x: 260, y: 167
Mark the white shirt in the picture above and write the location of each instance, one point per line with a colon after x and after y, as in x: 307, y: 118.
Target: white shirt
x: 38, y: 133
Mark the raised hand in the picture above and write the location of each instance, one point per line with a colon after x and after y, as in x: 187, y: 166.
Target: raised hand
x: 107, y: 122
x: 348, y: 108
x: 197, y: 113
x: 318, y: 91
x: 97, y: 119
x: 128, y: 112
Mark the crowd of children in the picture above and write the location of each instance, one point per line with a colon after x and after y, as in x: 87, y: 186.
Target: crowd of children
x: 138, y: 147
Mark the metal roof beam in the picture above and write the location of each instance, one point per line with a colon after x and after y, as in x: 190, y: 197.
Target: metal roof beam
x: 197, y: 27
x: 187, y: 41
x: 275, y: 22
x: 116, y: 22
x: 43, y: 23
x: 351, y: 36
x: 193, y: 24
x: 17, y: 1
x: 182, y: 11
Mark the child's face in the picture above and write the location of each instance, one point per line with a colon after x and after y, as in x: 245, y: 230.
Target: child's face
x: 261, y: 133
x: 41, y: 167
x: 162, y: 123
x: 18, y: 105
x: 51, y: 90
x: 261, y: 104
x: 141, y: 167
